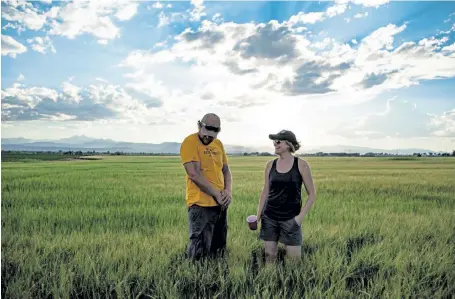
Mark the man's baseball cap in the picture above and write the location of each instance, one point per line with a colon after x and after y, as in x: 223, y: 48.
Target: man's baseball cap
x: 284, y: 135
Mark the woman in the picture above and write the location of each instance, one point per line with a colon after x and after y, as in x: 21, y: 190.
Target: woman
x: 280, y: 209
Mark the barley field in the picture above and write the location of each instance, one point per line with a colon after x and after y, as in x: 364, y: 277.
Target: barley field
x: 117, y: 228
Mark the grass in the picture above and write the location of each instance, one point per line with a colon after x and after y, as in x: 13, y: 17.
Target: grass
x: 117, y: 228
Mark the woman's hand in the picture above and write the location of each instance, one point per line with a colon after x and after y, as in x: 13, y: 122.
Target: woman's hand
x: 299, y: 219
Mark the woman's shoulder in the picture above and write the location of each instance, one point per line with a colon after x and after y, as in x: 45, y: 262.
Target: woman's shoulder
x: 303, y: 164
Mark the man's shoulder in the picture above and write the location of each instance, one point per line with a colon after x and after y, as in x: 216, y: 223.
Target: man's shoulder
x: 218, y: 143
x: 190, y: 138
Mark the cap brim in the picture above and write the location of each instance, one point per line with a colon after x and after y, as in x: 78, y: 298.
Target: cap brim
x: 274, y: 136
x: 204, y: 131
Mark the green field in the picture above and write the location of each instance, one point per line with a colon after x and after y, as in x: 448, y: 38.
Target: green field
x: 117, y: 228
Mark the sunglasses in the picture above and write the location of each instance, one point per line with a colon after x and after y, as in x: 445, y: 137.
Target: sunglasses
x: 210, y: 128
x: 278, y: 141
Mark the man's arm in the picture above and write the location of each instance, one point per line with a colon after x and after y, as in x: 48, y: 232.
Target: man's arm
x: 226, y: 195
x: 194, y: 173
x: 227, y: 179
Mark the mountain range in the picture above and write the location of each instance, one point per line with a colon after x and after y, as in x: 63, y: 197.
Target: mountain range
x: 84, y: 143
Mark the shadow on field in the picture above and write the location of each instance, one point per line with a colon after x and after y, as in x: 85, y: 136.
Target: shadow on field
x: 354, y: 244
x: 258, y: 256
x: 204, y: 278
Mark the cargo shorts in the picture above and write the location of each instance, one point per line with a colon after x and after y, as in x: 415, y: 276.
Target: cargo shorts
x: 207, y: 231
x: 288, y: 232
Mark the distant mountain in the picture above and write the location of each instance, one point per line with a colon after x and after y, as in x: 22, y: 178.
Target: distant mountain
x: 364, y: 150
x: 84, y: 143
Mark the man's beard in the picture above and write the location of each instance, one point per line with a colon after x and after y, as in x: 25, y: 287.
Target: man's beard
x: 206, y: 140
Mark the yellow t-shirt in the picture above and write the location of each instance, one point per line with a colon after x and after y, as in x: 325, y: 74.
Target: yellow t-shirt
x: 211, y: 158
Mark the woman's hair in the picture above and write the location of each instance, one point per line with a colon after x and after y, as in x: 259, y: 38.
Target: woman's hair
x: 293, y: 147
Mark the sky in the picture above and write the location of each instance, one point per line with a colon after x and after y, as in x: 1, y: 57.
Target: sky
x: 372, y: 73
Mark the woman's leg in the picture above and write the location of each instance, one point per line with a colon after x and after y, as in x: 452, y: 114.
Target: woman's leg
x: 271, y: 251
x: 294, y: 251
x: 291, y: 236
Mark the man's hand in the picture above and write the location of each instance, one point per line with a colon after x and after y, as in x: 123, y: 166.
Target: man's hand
x: 225, y: 198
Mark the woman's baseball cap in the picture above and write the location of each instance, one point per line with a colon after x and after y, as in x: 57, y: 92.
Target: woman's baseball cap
x: 285, y: 135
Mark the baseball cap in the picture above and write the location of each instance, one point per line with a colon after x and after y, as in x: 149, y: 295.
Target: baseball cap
x: 284, y: 135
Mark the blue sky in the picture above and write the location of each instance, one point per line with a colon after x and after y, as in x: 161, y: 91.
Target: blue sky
x: 372, y: 73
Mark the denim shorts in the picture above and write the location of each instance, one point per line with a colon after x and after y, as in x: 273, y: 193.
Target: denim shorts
x: 288, y: 232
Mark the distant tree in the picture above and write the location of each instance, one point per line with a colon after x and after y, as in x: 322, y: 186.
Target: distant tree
x: 453, y: 153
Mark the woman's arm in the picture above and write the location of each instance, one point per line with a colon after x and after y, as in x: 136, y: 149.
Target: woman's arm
x: 305, y: 171
x: 265, y: 190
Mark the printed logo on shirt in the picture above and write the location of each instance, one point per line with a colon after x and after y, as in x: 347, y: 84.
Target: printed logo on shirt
x: 210, y: 152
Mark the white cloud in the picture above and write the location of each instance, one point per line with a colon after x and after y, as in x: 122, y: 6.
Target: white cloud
x: 399, y: 119
x: 359, y: 15
x: 71, y: 92
x: 443, y: 125
x: 365, y: 3
x: 198, y: 11
x: 306, y: 18
x: 127, y: 12
x: 42, y: 45
x: 20, y: 78
x: 24, y: 13
x: 11, y: 47
x: 97, y: 101
x: 335, y: 10
x: 163, y: 20
x: 91, y: 17
x: 103, y: 41
x: 450, y: 48
x: 157, y: 5
x: 273, y: 57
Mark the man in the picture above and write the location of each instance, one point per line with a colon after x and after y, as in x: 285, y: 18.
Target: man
x: 208, y: 188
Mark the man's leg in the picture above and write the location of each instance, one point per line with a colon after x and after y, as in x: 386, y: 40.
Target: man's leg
x: 219, y: 237
x: 201, y: 225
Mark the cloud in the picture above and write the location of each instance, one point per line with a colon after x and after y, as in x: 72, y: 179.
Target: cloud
x: 20, y: 78
x: 335, y: 10
x: 359, y: 15
x: 42, y: 45
x: 314, y: 77
x: 365, y: 3
x: 276, y: 57
x: 11, y: 47
x: 97, y: 101
x: 270, y: 41
x: 24, y: 13
x: 450, y: 48
x: 126, y: 12
x: 198, y: 11
x: 443, y: 125
x: 306, y: 18
x: 401, y: 119
x: 91, y: 17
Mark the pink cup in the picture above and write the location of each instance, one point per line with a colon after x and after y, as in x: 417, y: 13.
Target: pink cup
x: 252, y: 221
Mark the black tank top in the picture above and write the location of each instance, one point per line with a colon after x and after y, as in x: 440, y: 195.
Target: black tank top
x: 284, y: 199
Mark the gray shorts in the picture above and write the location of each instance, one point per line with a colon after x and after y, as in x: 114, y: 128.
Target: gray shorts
x: 287, y: 232
x: 207, y: 231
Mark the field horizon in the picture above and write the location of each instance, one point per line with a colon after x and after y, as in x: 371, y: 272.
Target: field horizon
x: 117, y: 227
